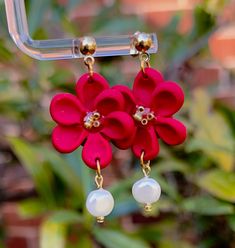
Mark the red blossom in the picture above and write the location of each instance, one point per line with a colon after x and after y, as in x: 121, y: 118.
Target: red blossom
x: 92, y: 118
x: 152, y: 103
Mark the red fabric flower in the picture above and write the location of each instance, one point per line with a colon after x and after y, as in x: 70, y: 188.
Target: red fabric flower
x: 93, y: 118
x: 152, y: 104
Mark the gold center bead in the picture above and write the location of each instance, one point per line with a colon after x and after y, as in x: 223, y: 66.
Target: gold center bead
x: 143, y: 115
x: 92, y: 120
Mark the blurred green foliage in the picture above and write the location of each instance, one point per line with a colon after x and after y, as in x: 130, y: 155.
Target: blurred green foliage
x: 197, y: 178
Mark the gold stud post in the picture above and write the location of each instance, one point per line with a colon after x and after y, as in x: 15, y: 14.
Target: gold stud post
x: 88, y: 45
x: 142, y: 42
x: 88, y: 48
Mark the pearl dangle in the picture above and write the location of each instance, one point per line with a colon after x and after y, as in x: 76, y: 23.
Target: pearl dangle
x: 99, y: 202
x: 147, y: 190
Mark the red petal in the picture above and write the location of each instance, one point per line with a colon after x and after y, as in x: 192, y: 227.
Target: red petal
x: 170, y: 130
x: 66, y: 109
x: 108, y: 101
x: 167, y: 99
x: 126, y: 143
x: 67, y: 139
x: 146, y: 140
x: 97, y: 148
x: 88, y: 88
x: 145, y: 84
x: 129, y: 100
x: 118, y: 126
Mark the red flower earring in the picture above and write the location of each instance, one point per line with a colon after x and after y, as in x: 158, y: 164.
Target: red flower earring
x: 98, y: 115
x: 93, y: 117
x: 152, y: 104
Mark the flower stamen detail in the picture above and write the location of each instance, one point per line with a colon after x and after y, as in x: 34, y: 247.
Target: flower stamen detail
x: 92, y: 120
x: 143, y: 115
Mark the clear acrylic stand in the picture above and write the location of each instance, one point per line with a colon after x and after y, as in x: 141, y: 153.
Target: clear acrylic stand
x: 56, y: 49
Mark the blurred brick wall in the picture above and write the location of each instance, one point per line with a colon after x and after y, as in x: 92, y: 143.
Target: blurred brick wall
x: 20, y: 233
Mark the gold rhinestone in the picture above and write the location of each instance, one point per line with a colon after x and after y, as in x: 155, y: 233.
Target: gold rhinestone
x: 88, y: 124
x: 137, y: 117
x: 87, y: 45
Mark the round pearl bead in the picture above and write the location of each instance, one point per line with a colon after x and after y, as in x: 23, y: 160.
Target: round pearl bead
x: 146, y: 190
x: 100, y: 203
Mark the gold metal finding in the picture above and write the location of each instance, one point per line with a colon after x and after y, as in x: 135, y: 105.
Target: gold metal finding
x: 142, y: 42
x: 148, y: 208
x: 145, y: 165
x: 88, y: 45
x: 150, y: 116
x: 144, y: 121
x: 92, y: 120
x: 141, y: 109
x: 144, y: 60
x: 89, y: 62
x: 100, y: 219
x: 98, y: 178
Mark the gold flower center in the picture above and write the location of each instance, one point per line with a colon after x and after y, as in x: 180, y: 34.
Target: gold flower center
x: 143, y: 115
x: 92, y: 120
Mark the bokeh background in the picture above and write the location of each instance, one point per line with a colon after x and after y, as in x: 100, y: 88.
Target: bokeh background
x: 42, y: 193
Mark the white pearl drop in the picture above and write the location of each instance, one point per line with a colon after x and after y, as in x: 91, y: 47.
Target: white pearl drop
x: 100, y: 203
x: 146, y: 190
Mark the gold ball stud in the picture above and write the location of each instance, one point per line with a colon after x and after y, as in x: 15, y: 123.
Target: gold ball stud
x: 142, y: 42
x: 87, y: 45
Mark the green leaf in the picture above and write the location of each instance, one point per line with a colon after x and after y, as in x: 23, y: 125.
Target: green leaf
x: 212, y: 133
x: 63, y: 170
x: 125, y: 207
x: 36, y: 12
x: 83, y: 241
x: 206, y: 205
x: 203, y: 22
x: 81, y: 170
x: 61, y: 77
x: 171, y: 164
x: 65, y: 217
x: 117, y: 239
x: 123, y: 25
x: 52, y: 235
x: 231, y: 221
x: 173, y: 243
x: 219, y: 183
x: 31, y: 208
x: 33, y: 162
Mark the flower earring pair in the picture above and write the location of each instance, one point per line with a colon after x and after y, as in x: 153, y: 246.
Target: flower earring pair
x: 99, y: 115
